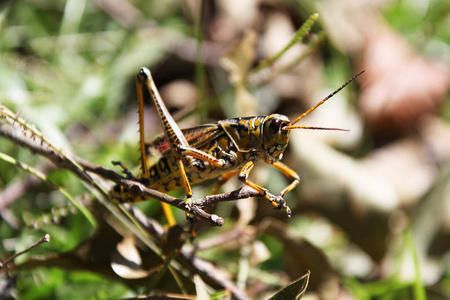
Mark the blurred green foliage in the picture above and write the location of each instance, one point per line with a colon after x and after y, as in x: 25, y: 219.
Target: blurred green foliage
x: 69, y: 68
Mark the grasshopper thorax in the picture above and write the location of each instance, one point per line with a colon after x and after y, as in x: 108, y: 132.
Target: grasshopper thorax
x: 275, y: 136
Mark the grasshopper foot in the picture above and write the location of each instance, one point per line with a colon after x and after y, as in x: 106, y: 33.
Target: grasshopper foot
x: 188, y: 207
x: 281, y: 203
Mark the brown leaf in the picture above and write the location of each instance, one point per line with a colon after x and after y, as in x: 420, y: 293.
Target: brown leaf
x: 405, y: 167
x: 126, y: 261
x: 436, y: 134
x: 400, y: 85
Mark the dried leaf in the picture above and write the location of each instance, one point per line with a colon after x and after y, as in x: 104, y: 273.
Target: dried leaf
x: 200, y: 288
x: 126, y: 261
x: 369, y: 190
x: 400, y: 85
x: 436, y: 134
x: 404, y: 165
x: 259, y: 253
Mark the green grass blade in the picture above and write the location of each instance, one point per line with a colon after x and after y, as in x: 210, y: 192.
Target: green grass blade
x: 43, y: 177
x: 297, y: 37
x: 418, y: 286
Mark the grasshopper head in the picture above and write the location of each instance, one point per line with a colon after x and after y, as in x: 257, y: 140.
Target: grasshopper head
x: 275, y: 135
x: 276, y: 127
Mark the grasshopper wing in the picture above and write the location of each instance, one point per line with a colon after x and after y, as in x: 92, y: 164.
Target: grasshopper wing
x: 196, y: 137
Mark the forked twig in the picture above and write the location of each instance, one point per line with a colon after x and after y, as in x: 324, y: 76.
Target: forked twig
x: 199, y: 205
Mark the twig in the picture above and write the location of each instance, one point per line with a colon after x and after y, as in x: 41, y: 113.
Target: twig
x: 45, y: 239
x: 29, y: 131
x: 197, y: 207
x: 241, y: 193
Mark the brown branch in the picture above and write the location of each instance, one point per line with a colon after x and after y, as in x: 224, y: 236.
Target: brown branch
x: 22, y: 137
x: 45, y: 239
x: 197, y: 206
x: 241, y: 193
x: 141, y: 190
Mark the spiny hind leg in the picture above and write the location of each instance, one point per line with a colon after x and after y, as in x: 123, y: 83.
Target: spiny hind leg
x: 141, y: 78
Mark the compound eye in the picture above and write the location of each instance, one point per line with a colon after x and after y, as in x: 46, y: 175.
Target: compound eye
x: 275, y: 125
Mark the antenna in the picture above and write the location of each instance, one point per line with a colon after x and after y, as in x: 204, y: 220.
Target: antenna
x: 319, y: 104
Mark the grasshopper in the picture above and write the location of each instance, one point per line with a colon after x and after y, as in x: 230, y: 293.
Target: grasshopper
x: 230, y: 147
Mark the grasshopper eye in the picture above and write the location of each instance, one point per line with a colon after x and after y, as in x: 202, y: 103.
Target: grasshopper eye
x: 275, y: 125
